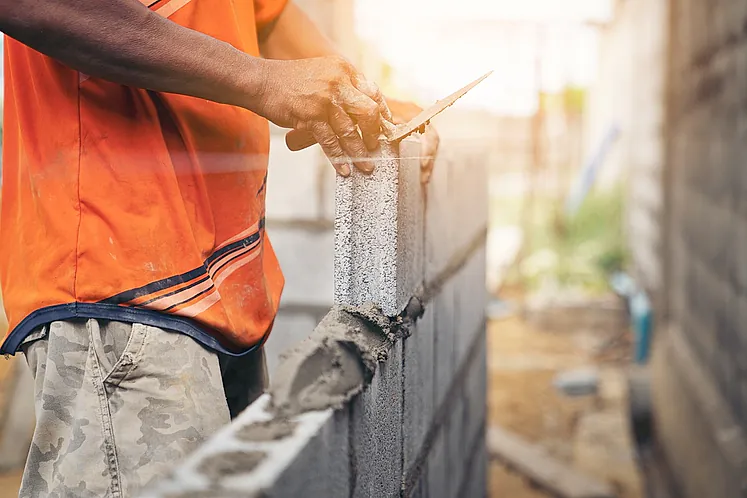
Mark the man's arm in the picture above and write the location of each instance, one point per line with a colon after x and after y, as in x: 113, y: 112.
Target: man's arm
x: 124, y: 42
x: 294, y: 36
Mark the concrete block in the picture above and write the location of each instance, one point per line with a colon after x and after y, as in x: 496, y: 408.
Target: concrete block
x: 261, y: 455
x: 438, y: 467
x: 439, y: 242
x: 475, y: 390
x: 444, y: 340
x: 376, y: 431
x: 379, y: 231
x: 468, y: 198
x: 475, y: 485
x: 455, y: 444
x: 306, y: 258
x: 293, y: 182
x: 322, y: 466
x: 422, y: 489
x: 470, y: 301
x: 418, y: 385
x: 290, y: 328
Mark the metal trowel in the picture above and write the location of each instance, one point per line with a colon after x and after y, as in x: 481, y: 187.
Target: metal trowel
x: 300, y: 139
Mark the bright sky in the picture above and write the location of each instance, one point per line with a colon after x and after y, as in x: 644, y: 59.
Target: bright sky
x: 437, y: 46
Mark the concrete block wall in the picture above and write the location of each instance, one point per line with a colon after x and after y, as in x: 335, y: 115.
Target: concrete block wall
x: 700, y: 354
x: 708, y: 133
x: 629, y: 92
x: 372, y: 403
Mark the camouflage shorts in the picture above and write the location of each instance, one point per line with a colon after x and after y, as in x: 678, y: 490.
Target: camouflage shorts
x: 117, y: 404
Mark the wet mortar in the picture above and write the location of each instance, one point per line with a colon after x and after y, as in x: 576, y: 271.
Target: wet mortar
x: 230, y: 463
x: 270, y: 430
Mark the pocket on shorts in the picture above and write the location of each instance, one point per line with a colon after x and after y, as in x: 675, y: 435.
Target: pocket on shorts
x: 118, y: 347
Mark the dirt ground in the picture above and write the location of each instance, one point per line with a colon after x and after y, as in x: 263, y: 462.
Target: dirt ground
x: 589, y: 432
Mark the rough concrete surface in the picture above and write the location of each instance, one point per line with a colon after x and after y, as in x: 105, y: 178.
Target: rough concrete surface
x: 232, y: 464
x: 379, y: 231
x: 419, y: 385
x: 335, y: 363
x: 376, y: 432
x: 438, y: 469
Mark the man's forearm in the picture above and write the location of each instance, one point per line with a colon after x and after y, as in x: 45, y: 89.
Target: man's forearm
x: 124, y: 42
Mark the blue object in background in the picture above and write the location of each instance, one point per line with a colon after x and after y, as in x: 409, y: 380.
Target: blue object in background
x: 588, y: 173
x: 640, y: 312
x: 641, y: 318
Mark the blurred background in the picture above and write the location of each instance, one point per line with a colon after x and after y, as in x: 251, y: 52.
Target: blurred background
x: 616, y: 133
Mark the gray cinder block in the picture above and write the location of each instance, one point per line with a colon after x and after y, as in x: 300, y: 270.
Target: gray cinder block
x: 455, y: 444
x: 470, y: 302
x: 476, y: 392
x: 439, y: 242
x: 444, y: 340
x: 322, y: 466
x: 418, y: 385
x: 262, y: 455
x: 438, y: 467
x: 476, y: 481
x: 376, y: 432
x: 468, y: 198
x: 379, y: 231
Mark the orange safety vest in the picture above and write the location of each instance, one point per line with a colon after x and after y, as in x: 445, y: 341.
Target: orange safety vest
x: 125, y: 204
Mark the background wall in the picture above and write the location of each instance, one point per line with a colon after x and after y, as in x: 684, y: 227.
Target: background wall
x: 700, y: 372
x: 629, y: 93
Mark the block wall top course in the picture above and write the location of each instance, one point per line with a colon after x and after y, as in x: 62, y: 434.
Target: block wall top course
x: 378, y: 231
x: 318, y: 430
x: 247, y: 457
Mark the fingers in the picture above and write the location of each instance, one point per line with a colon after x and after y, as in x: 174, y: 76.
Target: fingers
x: 364, y: 103
x: 371, y: 90
x: 349, y: 139
x: 364, y: 111
x: 325, y: 135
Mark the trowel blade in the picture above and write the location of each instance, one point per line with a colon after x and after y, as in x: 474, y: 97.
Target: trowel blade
x: 401, y: 131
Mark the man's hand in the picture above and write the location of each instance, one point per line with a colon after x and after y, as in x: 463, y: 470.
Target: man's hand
x: 402, y: 112
x: 329, y: 98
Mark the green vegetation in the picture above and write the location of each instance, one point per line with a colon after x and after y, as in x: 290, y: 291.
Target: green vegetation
x: 579, y: 252
x: 571, y: 99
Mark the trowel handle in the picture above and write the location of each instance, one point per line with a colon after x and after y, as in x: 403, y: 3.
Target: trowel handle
x: 299, y: 139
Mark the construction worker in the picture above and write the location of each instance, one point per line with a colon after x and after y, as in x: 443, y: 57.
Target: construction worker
x: 136, y: 273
